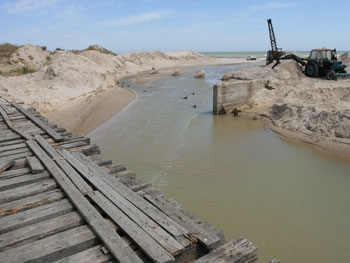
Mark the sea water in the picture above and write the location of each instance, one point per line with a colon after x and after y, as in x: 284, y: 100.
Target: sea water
x: 290, y: 201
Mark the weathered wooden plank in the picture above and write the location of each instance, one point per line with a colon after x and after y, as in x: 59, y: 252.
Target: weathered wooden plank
x: 209, y: 240
x: 13, y: 146
x: 93, y: 254
x: 11, y: 142
x: 14, y: 152
x: 8, y: 122
x: 53, y: 247
x: 5, y: 108
x: 166, y: 222
x: 5, y: 137
x: 20, y: 155
x: 35, y: 215
x: 239, y: 250
x: 14, y: 173
x: 34, y: 165
x: 16, y: 206
x: 140, y: 237
x: 147, y: 244
x: 138, y: 216
x: 37, y: 121
x: 5, y: 163
x: 115, y: 244
x: 150, y: 246
x: 27, y: 190
x: 74, y: 144
x: 22, y: 180
x: 40, y: 230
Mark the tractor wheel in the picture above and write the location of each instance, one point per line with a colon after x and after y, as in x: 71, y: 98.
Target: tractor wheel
x: 311, y: 69
x: 331, y: 75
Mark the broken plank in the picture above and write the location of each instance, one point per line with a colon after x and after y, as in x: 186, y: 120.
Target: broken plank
x: 206, y: 238
x: 239, y: 250
x: 5, y: 163
x: 115, y: 244
x: 34, y: 165
x: 16, y: 206
x: 40, y: 230
x: 56, y: 136
x: 53, y: 247
x: 35, y: 215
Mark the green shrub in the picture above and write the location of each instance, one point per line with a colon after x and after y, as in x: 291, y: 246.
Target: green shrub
x: 44, y: 48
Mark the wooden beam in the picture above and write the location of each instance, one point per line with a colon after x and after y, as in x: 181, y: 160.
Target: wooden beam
x: 138, y: 216
x: 9, y: 124
x: 16, y: 206
x: 147, y: 244
x: 56, y: 136
x: 34, y: 165
x: 115, y: 244
x: 22, y: 180
x: 27, y: 190
x: 40, y: 230
x: 35, y: 215
x: 52, y: 248
x: 93, y: 254
x: 175, y: 229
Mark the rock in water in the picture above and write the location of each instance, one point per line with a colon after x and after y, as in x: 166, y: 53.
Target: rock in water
x: 175, y: 73
x: 200, y: 74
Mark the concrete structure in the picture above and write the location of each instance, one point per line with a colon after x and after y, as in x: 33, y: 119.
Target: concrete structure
x: 228, y: 95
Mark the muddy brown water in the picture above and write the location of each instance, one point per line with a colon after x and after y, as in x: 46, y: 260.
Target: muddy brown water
x: 290, y: 201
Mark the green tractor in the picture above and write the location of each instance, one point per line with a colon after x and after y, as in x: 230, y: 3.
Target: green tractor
x: 323, y: 63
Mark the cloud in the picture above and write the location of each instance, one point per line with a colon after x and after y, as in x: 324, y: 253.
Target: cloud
x: 141, y: 18
x: 22, y: 6
x: 272, y: 5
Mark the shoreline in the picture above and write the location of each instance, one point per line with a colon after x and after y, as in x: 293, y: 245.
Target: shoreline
x: 87, y: 112
x: 327, y: 148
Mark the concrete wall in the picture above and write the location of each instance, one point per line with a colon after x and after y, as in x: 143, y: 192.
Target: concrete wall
x: 228, y: 95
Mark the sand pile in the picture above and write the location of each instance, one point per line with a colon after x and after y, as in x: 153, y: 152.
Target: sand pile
x: 315, y: 110
x: 66, y: 84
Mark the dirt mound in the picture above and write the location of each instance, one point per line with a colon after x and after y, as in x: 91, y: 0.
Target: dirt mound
x: 316, y: 108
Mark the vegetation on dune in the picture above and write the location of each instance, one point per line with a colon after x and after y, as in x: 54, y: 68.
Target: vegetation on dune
x: 7, y: 49
x: 100, y: 49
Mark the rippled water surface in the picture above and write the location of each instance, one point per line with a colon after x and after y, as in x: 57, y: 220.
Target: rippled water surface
x: 290, y: 201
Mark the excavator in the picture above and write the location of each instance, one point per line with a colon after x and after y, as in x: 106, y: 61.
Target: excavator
x: 320, y: 63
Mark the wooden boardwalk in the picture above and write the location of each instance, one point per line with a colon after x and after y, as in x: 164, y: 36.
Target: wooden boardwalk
x: 61, y: 201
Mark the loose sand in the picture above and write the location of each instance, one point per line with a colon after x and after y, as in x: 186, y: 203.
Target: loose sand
x: 77, y: 90
x: 311, y: 110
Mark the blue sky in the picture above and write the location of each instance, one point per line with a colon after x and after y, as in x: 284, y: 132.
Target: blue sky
x: 169, y: 25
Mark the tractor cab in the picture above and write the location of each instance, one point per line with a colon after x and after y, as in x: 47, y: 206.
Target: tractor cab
x: 323, y: 63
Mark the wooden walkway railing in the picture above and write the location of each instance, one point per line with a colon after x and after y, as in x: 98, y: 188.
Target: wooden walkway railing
x: 60, y: 201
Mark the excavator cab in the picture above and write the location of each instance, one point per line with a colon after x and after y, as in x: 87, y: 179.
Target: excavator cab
x: 323, y: 63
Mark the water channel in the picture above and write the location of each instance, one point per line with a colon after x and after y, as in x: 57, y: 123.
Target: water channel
x: 292, y: 202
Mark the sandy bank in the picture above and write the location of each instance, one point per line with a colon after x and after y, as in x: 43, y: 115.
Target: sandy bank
x: 77, y: 89
x: 314, y: 111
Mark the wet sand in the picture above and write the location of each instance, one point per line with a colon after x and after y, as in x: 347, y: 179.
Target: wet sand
x: 84, y: 114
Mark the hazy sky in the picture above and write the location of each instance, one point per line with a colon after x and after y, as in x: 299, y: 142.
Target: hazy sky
x: 169, y: 25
